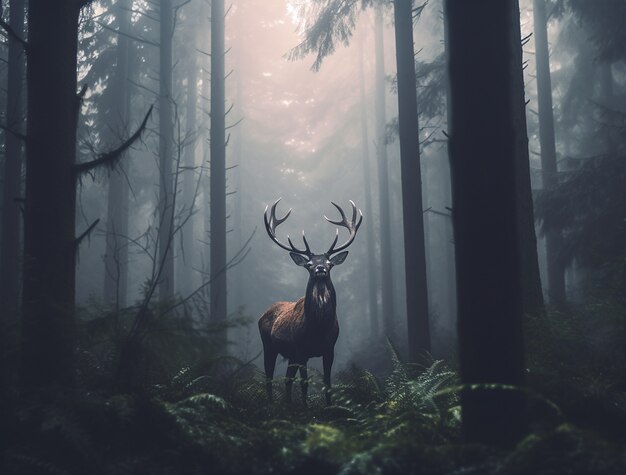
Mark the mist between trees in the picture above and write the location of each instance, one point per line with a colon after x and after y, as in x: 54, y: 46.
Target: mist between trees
x: 484, y: 145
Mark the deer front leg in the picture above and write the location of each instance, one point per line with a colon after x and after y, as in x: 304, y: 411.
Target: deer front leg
x: 269, y: 360
x: 291, y: 374
x: 327, y: 360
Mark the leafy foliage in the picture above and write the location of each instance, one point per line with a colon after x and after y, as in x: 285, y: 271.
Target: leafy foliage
x: 326, y: 23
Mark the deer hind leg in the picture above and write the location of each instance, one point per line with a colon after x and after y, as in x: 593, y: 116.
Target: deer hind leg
x: 291, y: 374
x: 304, y: 384
x: 269, y: 360
x: 327, y: 361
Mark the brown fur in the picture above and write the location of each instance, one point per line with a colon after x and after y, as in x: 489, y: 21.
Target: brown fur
x: 285, y: 330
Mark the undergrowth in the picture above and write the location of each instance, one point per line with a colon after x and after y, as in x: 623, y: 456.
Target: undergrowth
x: 212, y: 416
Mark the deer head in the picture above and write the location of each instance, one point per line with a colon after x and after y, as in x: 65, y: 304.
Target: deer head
x: 318, y: 265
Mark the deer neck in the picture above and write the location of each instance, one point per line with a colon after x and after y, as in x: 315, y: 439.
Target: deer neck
x: 320, y: 302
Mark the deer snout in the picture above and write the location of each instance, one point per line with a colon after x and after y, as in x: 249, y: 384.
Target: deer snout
x: 321, y: 270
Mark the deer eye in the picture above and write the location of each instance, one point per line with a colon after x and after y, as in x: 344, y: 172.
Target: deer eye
x: 309, y: 265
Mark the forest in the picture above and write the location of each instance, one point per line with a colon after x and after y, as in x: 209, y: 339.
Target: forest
x: 166, y: 166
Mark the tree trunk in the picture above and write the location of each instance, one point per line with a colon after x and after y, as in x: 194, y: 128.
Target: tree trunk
x: 483, y: 151
x: 386, y: 277
x: 235, y: 287
x: 187, y: 263
x: 450, y: 248
x: 116, y: 253
x: 218, y: 165
x: 549, y: 169
x: 11, y: 223
x: 205, y: 154
x: 418, y: 327
x: 532, y: 294
x: 48, y: 325
x: 372, y: 304
x: 166, y: 154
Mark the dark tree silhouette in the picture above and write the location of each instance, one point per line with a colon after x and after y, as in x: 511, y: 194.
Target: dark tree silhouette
x: 185, y: 264
x: 414, y: 244
x: 549, y: 169
x: 483, y: 95
x: 166, y: 151
x: 52, y: 173
x: 11, y: 251
x: 116, y: 254
x: 49, y: 212
x: 382, y: 160
x: 218, y: 306
x: 372, y: 286
x: 532, y: 294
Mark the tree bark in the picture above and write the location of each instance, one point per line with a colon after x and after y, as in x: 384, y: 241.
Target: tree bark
x: 11, y: 223
x: 483, y: 151
x: 549, y: 168
x: 418, y: 327
x: 218, y: 306
x: 48, y: 326
x: 166, y: 153
x: 386, y: 260
x: 372, y: 303
x: 116, y: 253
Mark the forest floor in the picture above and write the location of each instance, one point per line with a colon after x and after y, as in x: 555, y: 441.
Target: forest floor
x: 405, y: 422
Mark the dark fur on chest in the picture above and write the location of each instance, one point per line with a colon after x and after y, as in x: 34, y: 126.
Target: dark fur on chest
x: 320, y: 303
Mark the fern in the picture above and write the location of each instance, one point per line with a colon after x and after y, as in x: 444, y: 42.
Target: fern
x: 409, y: 402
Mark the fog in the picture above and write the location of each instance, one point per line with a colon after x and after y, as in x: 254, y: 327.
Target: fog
x: 423, y: 203
x: 296, y: 133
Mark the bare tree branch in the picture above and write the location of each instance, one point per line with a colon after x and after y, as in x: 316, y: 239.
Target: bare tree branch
x: 141, y: 86
x: 239, y: 256
x: 235, y: 124
x: 86, y: 233
x: 132, y: 37
x: 111, y: 158
x: 176, y: 9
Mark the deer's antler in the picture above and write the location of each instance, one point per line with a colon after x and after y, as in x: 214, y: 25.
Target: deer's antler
x: 352, y: 226
x: 273, y: 222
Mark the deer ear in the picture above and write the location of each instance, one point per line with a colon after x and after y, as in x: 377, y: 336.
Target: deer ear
x: 299, y: 259
x: 339, y: 258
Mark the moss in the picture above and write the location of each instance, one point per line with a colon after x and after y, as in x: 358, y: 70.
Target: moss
x: 327, y: 442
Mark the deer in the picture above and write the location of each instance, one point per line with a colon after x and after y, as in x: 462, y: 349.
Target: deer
x: 307, y: 328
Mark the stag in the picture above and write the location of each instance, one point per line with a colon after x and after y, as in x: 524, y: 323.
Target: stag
x: 307, y: 328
